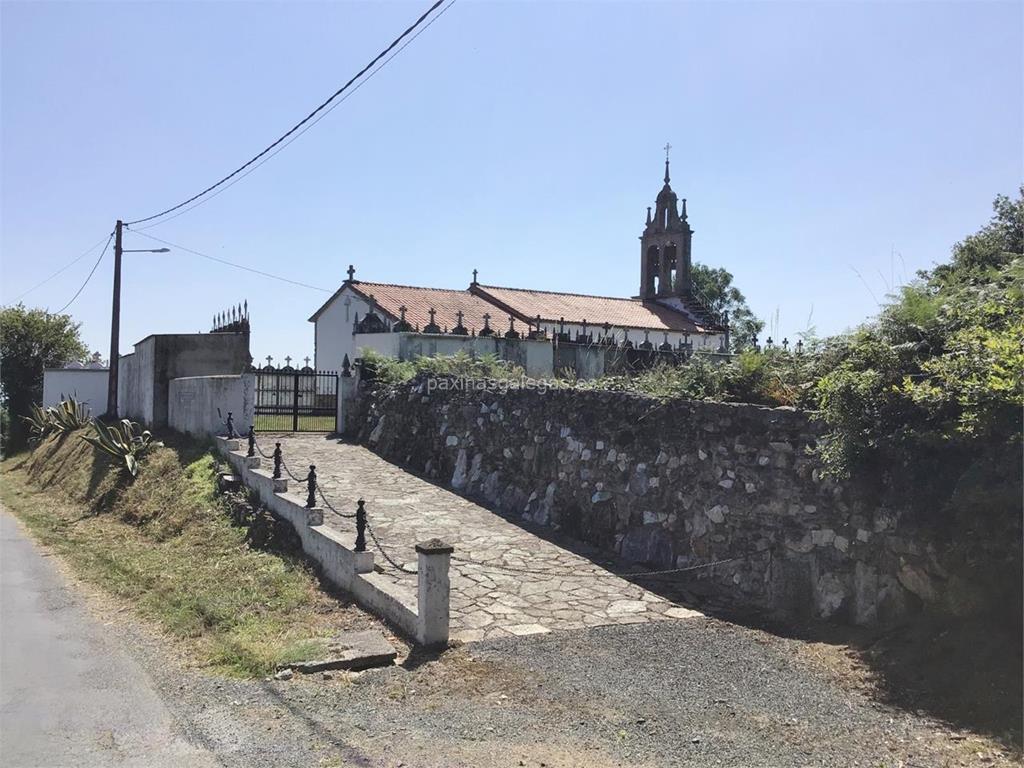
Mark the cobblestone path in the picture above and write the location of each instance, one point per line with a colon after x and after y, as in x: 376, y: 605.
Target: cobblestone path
x: 517, y: 583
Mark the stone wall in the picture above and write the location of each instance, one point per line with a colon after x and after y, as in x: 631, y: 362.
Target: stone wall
x: 672, y: 485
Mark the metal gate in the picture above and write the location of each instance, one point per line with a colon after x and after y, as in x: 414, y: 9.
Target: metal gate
x: 290, y: 400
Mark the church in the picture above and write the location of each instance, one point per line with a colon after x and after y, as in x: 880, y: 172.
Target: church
x: 667, y: 313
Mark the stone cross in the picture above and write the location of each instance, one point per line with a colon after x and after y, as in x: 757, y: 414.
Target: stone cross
x: 458, y: 316
x: 269, y: 359
x: 351, y: 272
x: 487, y: 320
x: 287, y: 360
x: 431, y: 312
x: 306, y: 360
x: 401, y: 311
x: 474, y: 276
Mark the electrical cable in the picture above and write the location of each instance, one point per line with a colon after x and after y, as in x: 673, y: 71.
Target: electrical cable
x: 302, y: 122
x: 66, y: 267
x: 89, y: 277
x: 306, y: 128
x: 231, y: 263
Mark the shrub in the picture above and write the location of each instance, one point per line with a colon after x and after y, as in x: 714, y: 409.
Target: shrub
x: 388, y: 371
x: 69, y: 415
x: 125, y: 440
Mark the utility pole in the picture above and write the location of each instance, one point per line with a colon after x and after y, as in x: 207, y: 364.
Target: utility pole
x: 115, y: 326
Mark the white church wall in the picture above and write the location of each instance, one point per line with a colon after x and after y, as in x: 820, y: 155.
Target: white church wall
x: 333, y: 331
x: 708, y: 341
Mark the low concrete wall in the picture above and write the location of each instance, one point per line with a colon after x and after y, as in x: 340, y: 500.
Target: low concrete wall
x: 87, y: 385
x: 535, y: 357
x: 193, y: 403
x: 144, y: 376
x: 422, y: 614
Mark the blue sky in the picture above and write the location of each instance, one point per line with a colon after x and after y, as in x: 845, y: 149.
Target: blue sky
x: 813, y: 141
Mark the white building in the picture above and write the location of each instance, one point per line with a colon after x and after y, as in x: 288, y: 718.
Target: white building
x: 666, y: 314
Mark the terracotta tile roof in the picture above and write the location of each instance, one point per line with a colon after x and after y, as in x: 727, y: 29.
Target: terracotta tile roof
x: 446, y: 302
x: 523, y: 304
x: 596, y: 310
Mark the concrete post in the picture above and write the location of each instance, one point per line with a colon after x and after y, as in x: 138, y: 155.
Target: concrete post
x: 348, y: 391
x: 433, y: 591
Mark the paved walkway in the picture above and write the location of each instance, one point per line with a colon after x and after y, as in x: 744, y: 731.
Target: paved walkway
x: 525, y: 585
x: 70, y: 695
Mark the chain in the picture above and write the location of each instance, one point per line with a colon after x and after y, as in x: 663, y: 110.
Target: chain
x: 511, y: 569
x: 606, y: 574
x: 291, y: 474
x: 260, y: 451
x: 385, y: 555
x: 331, y: 506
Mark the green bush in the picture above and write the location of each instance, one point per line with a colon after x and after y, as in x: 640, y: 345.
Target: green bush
x: 125, y: 440
x: 388, y: 371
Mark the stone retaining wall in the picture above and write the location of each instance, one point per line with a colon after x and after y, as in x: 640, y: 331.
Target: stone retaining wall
x: 672, y: 485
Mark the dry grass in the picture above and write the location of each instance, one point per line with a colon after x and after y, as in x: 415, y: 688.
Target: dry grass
x: 165, y: 543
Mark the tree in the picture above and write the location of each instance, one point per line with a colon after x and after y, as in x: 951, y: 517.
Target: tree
x: 714, y: 285
x: 31, y: 340
x: 928, y: 395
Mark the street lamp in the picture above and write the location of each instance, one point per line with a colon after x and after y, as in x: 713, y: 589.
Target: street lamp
x: 115, y: 317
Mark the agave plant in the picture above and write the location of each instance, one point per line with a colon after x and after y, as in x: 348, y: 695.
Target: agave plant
x: 125, y: 439
x: 69, y: 415
x: 40, y: 424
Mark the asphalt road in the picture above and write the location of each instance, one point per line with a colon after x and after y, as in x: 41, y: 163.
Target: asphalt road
x: 77, y: 691
x: 69, y: 695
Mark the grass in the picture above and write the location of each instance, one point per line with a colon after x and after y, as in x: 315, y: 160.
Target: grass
x: 166, y: 544
x: 266, y: 422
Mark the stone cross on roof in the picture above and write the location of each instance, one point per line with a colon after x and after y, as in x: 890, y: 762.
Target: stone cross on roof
x: 474, y: 277
x: 351, y: 272
x: 287, y: 360
x: 269, y: 359
x: 306, y: 360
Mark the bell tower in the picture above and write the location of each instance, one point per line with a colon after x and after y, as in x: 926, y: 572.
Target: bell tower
x: 665, y: 246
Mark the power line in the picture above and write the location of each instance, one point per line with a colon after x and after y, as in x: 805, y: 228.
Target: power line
x: 320, y: 117
x: 232, y: 263
x: 63, y: 269
x: 306, y: 119
x: 87, y: 279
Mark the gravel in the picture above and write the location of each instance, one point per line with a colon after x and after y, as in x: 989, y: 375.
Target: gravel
x: 690, y: 693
